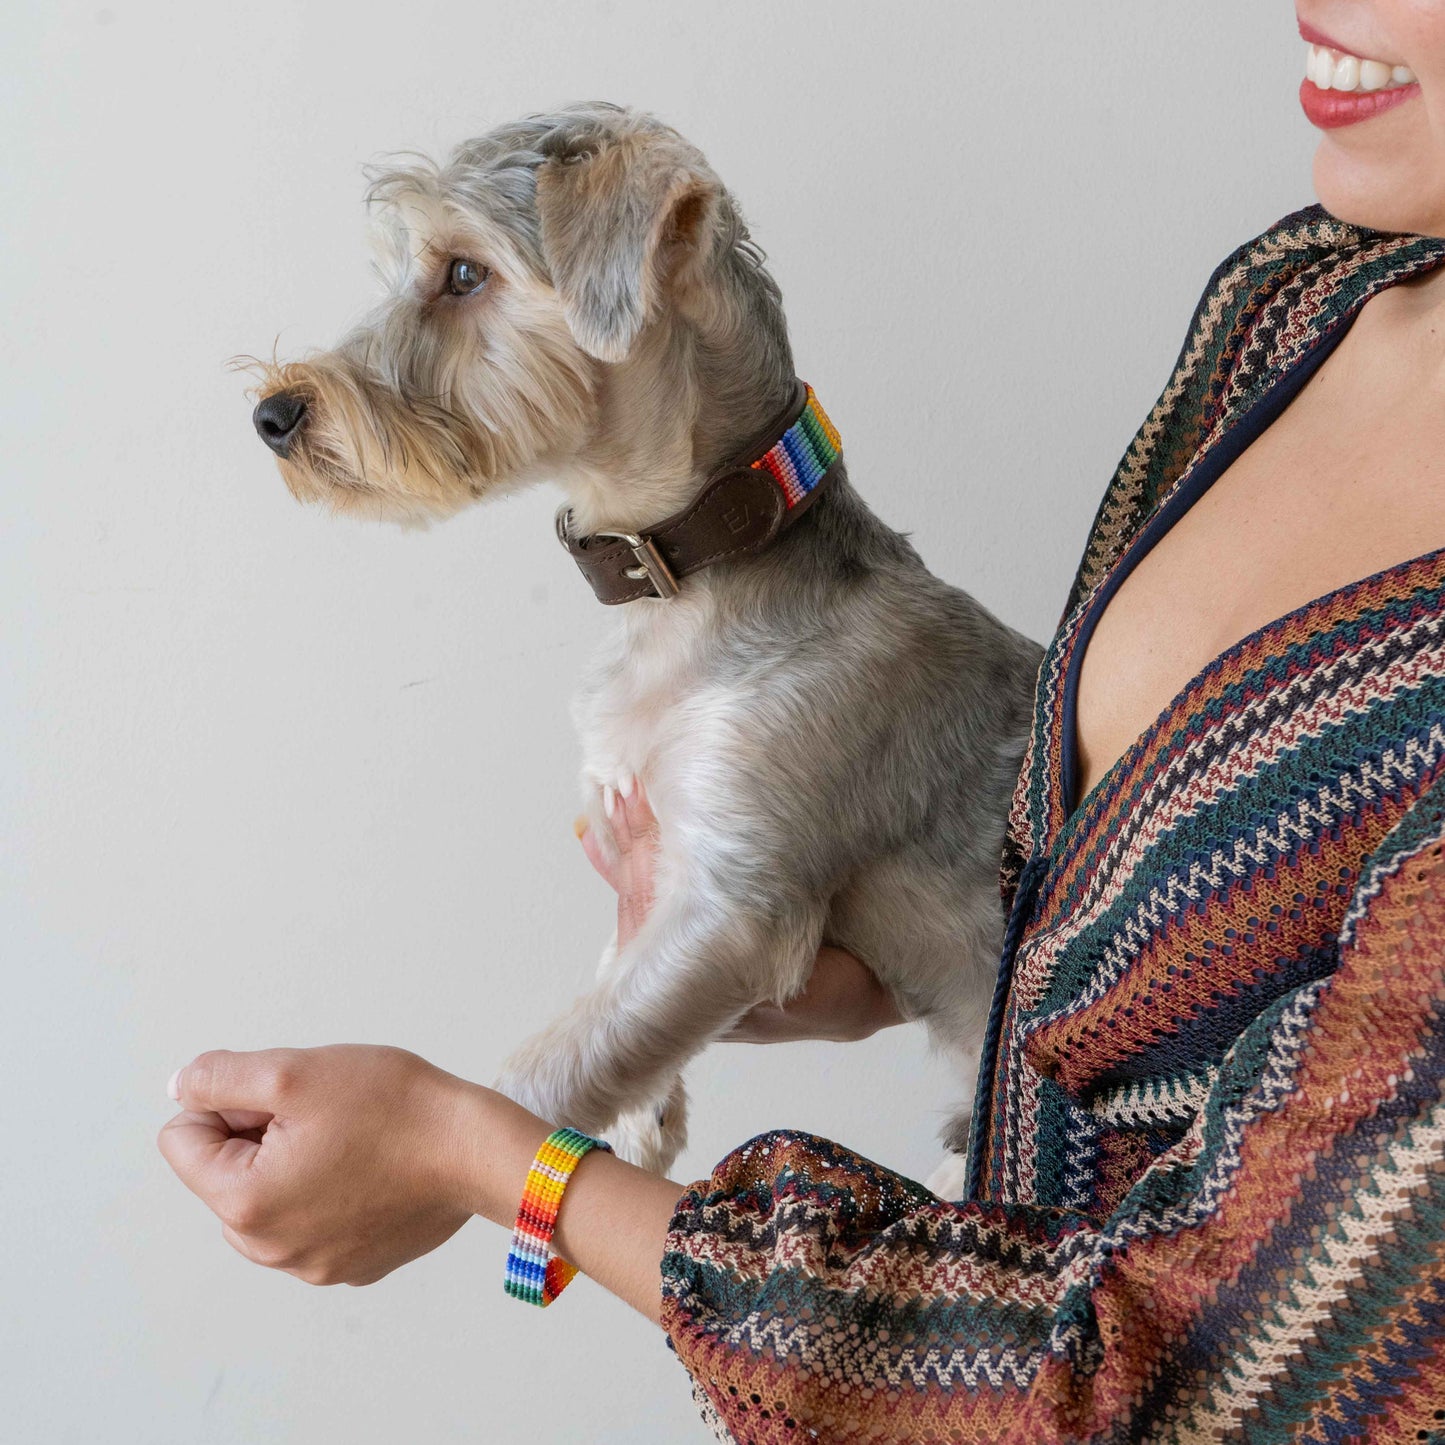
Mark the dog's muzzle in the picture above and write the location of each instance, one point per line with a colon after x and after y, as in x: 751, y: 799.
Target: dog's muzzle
x: 278, y: 420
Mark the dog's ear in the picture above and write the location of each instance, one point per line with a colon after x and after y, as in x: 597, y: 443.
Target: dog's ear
x: 622, y: 221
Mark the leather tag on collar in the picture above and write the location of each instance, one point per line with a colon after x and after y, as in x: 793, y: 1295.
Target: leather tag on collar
x: 738, y: 513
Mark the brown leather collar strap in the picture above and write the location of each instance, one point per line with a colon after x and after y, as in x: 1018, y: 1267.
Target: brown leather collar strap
x: 738, y: 513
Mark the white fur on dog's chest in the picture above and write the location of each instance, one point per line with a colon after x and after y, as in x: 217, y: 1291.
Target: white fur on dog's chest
x: 650, y: 686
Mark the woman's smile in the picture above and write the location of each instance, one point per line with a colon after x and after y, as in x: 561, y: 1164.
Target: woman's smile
x: 1342, y: 88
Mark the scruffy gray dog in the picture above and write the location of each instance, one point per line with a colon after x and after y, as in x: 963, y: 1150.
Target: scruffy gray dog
x: 828, y: 735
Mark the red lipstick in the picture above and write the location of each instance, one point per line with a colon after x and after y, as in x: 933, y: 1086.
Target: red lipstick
x: 1330, y: 109
x: 1311, y: 36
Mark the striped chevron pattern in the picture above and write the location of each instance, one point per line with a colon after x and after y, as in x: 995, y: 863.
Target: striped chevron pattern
x: 1207, y: 1195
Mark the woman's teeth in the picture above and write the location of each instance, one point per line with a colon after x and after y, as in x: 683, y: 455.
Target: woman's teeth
x: 1335, y: 70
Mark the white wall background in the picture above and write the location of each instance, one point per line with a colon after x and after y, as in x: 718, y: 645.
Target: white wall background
x: 270, y: 778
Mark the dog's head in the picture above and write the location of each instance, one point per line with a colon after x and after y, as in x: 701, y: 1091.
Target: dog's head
x: 541, y: 272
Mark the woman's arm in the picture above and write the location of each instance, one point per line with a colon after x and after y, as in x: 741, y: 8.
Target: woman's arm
x: 1279, y: 1273
x: 340, y: 1164
x: 1302, y: 1219
x: 614, y: 1216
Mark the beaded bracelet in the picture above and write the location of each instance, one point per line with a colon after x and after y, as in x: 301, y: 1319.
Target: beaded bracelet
x: 534, y: 1273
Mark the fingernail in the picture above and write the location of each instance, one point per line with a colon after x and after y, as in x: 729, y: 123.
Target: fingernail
x: 609, y: 798
x: 626, y: 784
x: 174, y: 1087
x: 579, y: 825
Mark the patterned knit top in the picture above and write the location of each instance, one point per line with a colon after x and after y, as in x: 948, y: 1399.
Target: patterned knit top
x: 1207, y: 1173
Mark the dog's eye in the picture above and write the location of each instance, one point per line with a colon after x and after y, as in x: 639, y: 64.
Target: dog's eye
x: 466, y: 277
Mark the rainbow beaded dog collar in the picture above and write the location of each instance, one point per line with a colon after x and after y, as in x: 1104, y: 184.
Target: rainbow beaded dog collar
x: 738, y: 513
x: 802, y: 456
x: 535, y: 1274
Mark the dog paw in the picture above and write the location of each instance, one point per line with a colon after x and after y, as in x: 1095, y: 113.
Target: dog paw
x: 602, y: 826
x: 950, y: 1179
x: 617, y: 792
x: 637, y: 1138
x: 607, y: 794
x: 653, y: 1135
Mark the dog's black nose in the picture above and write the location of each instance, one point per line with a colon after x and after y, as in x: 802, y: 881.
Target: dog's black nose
x: 278, y: 419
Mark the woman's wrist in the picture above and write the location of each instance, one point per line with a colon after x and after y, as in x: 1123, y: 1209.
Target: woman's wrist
x: 491, y: 1142
x: 614, y: 1217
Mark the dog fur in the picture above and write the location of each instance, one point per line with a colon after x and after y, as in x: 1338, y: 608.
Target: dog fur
x: 828, y: 734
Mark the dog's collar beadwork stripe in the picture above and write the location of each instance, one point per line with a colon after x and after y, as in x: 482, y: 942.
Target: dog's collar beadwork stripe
x: 739, y: 512
x: 535, y: 1274
x: 800, y: 458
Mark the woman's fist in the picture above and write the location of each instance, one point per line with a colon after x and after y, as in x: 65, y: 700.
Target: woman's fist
x: 334, y: 1164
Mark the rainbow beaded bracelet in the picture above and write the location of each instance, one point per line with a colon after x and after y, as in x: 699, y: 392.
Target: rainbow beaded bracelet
x: 535, y: 1274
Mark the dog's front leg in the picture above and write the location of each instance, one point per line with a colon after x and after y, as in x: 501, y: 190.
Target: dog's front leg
x: 688, y: 975
x: 654, y: 1134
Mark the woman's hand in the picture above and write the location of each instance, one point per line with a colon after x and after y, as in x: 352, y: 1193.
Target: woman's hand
x: 842, y: 1000
x: 339, y: 1164
x: 335, y: 1164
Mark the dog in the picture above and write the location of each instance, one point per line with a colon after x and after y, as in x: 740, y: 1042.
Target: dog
x: 828, y: 734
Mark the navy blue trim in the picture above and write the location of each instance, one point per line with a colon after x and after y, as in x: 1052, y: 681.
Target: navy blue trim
x: 1029, y: 880
x: 1246, y: 430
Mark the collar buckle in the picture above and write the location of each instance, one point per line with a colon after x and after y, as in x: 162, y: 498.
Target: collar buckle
x: 650, y: 563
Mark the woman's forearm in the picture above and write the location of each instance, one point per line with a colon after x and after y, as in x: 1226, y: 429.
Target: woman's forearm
x: 614, y: 1217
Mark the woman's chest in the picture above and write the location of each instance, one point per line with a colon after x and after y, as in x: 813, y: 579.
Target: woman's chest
x: 1348, y: 481
x: 1208, y: 880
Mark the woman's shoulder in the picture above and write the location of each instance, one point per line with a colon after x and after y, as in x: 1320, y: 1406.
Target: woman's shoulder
x: 1300, y: 239
x: 1306, y: 270
x: 1269, y: 302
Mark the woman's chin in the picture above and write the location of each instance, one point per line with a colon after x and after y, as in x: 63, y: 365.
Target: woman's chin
x: 1379, y: 197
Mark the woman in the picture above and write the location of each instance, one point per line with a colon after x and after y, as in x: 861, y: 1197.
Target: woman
x: 1207, y: 1175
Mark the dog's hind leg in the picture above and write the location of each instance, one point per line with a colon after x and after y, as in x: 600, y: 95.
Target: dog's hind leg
x: 950, y: 1179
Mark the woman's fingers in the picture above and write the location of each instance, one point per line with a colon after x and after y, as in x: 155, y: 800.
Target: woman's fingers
x: 619, y: 815
x: 605, y: 865
x: 254, y: 1082
x: 765, y: 1023
x: 228, y: 1100
x: 638, y: 812
x: 632, y: 823
x: 204, y: 1153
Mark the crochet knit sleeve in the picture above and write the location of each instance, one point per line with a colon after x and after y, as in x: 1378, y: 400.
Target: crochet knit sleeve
x: 1280, y: 1273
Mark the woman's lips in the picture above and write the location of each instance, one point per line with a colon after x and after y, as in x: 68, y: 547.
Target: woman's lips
x: 1330, y: 109
x: 1341, y: 88
x: 1311, y: 36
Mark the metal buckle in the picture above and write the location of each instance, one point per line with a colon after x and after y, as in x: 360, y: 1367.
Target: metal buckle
x: 650, y: 563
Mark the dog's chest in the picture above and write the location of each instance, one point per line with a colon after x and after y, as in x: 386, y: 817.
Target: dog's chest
x: 655, y: 684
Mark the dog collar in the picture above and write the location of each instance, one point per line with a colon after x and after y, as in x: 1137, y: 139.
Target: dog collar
x: 738, y: 513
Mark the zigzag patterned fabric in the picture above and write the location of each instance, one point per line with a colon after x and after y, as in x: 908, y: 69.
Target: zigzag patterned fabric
x: 1207, y: 1177
x: 800, y: 458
